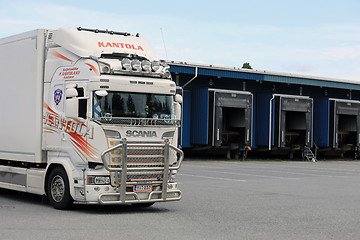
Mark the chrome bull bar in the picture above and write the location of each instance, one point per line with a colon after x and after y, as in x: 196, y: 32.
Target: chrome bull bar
x: 125, y: 167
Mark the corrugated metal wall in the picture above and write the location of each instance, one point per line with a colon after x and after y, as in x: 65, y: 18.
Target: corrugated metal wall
x: 186, y: 124
x: 262, y: 112
x: 200, y: 116
x: 263, y: 85
x: 321, y: 121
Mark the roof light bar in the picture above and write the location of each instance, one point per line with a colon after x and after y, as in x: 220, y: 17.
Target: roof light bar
x: 126, y: 64
x: 132, y: 66
x: 136, y: 65
x: 155, y: 66
x: 146, y: 65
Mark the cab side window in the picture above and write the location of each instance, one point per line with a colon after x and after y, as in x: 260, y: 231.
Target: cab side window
x: 82, y: 103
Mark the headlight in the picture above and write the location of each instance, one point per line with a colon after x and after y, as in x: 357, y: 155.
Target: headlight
x: 126, y: 63
x: 167, y: 135
x: 146, y: 65
x: 98, y: 180
x: 112, y: 134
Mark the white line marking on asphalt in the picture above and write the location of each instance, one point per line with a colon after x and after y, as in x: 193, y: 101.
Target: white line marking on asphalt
x: 274, y: 171
x: 253, y: 175
x: 309, y: 174
x: 216, y: 178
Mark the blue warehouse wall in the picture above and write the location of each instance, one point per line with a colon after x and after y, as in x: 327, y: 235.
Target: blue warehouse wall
x: 186, y: 124
x: 262, y: 85
x: 200, y: 116
x: 321, y: 121
x: 262, y: 111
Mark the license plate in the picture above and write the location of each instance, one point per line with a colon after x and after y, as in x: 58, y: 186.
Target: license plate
x: 142, y: 188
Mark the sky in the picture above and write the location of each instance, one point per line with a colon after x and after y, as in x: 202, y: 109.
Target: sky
x: 308, y: 37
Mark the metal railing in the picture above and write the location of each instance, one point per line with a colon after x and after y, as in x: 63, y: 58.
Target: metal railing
x: 142, y: 160
x: 309, y: 155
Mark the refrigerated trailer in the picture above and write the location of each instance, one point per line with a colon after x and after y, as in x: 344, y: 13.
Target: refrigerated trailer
x: 337, y: 124
x: 88, y: 116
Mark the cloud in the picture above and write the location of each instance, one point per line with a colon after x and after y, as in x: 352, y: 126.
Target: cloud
x: 331, y: 54
x: 341, y: 53
x: 8, y: 22
x: 315, y: 49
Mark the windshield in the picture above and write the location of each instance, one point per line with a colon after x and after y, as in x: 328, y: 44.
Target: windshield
x: 133, y: 105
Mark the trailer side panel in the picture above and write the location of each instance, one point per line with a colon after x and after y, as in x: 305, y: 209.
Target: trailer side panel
x: 21, y: 71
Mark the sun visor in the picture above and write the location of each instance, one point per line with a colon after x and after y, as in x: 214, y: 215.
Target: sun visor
x: 88, y: 43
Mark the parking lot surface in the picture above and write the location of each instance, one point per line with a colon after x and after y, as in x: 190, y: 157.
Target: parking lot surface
x: 221, y: 200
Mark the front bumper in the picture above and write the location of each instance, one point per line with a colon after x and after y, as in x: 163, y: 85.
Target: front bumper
x: 106, y: 194
x: 132, y: 197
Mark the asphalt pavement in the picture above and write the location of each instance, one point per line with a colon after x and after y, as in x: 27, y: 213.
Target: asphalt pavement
x: 221, y: 200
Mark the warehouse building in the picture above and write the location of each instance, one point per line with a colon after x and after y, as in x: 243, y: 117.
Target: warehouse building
x: 234, y: 110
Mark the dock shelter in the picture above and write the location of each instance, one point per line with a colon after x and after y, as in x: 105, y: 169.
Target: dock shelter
x: 275, y: 112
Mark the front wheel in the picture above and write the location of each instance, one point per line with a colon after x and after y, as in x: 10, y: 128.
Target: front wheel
x: 58, y: 190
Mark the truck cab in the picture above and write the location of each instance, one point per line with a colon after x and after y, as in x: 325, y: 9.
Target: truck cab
x: 110, y: 120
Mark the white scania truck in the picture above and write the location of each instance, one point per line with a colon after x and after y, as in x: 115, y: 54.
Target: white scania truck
x: 87, y: 116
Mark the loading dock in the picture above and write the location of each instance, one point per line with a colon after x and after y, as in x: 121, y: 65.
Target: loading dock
x: 337, y: 125
x: 228, y: 118
x: 288, y: 130
x: 293, y: 121
x: 284, y: 122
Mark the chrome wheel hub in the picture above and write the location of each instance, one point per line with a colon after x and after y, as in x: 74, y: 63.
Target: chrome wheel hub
x: 57, y: 188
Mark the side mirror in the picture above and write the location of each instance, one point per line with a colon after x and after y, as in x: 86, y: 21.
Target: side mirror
x: 71, y: 92
x: 178, y: 98
x: 101, y: 93
x: 71, y: 108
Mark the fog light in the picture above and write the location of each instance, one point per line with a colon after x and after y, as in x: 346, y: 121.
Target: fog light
x: 98, y: 180
x: 173, y: 195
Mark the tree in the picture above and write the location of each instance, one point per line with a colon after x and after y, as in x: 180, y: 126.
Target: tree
x: 246, y: 65
x: 131, y: 107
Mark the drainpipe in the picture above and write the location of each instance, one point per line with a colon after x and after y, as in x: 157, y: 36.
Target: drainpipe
x: 196, y: 74
x: 272, y: 99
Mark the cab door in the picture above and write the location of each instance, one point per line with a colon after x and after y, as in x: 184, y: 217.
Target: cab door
x: 53, y: 116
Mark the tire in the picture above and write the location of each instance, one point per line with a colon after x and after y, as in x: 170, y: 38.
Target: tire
x: 58, y: 190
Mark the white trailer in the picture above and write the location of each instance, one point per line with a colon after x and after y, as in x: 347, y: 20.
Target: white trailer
x: 87, y: 116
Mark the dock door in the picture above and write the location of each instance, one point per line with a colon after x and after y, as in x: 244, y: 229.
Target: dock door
x: 344, y: 124
x: 230, y: 118
x: 293, y: 116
